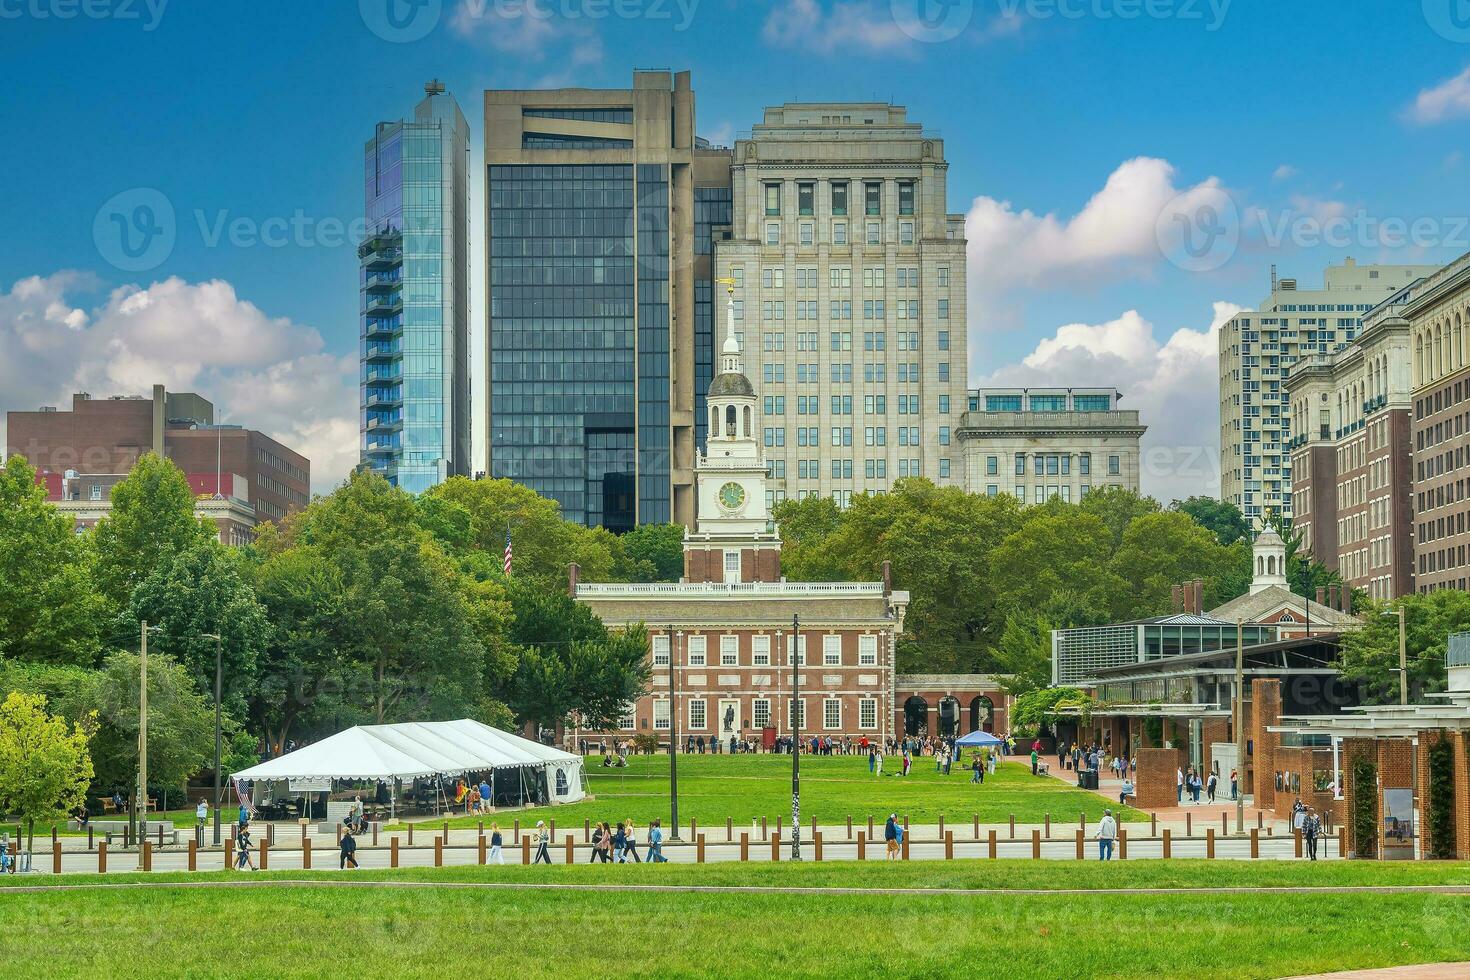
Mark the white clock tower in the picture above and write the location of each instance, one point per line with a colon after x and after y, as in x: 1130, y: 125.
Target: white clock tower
x: 731, y: 476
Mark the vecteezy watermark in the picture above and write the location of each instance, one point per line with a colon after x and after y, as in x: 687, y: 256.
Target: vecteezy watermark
x: 1211, y: 13
x: 1450, y: 19
x: 298, y: 230
x: 135, y: 230
x: 149, y: 12
x: 1199, y: 229
x: 680, y: 12
x: 400, y: 21
x: 932, y: 21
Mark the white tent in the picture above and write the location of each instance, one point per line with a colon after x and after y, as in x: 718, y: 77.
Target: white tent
x: 414, y: 750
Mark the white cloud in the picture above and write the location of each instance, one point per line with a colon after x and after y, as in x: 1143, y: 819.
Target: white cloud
x: 1284, y: 172
x: 809, y: 25
x: 1114, y: 234
x: 1449, y: 99
x: 262, y: 372
x: 722, y: 135
x: 531, y: 32
x: 1173, y: 386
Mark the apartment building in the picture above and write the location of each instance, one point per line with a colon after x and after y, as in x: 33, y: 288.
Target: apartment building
x: 1258, y: 347
x: 1351, y: 452
x: 1039, y: 443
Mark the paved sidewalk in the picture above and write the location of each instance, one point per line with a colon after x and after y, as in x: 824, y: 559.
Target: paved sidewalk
x: 1425, y: 971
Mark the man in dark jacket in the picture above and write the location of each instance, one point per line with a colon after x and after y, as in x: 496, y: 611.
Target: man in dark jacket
x: 348, y: 853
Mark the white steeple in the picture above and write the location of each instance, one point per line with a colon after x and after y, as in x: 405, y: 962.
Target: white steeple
x: 1269, y: 555
x: 731, y: 472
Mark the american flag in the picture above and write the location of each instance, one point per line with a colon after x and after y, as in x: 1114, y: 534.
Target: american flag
x: 507, y: 551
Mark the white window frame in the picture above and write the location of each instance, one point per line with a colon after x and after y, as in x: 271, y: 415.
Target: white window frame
x: 832, y: 649
x: 698, y: 650
x: 702, y: 722
x: 760, y: 651
x: 661, y: 706
x: 629, y: 719
x: 758, y: 707
x: 866, y: 707
x: 800, y: 649
x: 729, y: 650
x: 868, y: 650
x: 661, y: 650
x: 828, y: 706
x: 796, y: 713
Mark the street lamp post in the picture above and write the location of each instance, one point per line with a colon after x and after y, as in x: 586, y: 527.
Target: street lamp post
x: 673, y: 744
x: 142, y: 793
x: 1403, y: 654
x: 218, y: 686
x: 1239, y: 727
x: 796, y: 738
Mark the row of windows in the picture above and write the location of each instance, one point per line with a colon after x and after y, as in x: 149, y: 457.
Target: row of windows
x: 806, y: 233
x: 697, y: 649
x: 837, y: 197
x: 873, y: 435
x: 698, y: 716
x: 1053, y: 464
x: 1043, y: 493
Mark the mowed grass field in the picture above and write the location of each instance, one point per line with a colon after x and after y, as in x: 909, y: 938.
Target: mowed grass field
x: 385, y: 931
x: 748, y: 787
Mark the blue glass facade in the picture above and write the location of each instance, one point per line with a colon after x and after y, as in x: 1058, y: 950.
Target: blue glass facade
x: 655, y: 446
x: 415, y: 320
x: 713, y: 207
x: 564, y: 379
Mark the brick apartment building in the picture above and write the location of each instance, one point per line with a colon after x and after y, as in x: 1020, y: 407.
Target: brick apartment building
x: 241, y: 477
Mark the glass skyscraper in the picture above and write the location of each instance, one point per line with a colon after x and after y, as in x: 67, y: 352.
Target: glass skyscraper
x: 415, y: 417
x: 594, y: 279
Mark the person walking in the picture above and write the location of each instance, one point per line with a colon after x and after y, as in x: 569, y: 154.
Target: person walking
x: 1234, y: 784
x: 1212, y: 785
x: 497, y: 856
x: 243, y: 843
x: 620, y: 843
x: 872, y: 760
x: 892, y: 836
x: 348, y: 851
x: 656, y: 843
x: 1311, y: 831
x: 908, y: 761
x: 599, y: 843
x: 632, y: 851
x: 1107, y: 832
x: 977, y: 771
x: 201, y: 819
x: 1035, y: 760
x: 542, y: 842
x: 1179, y: 786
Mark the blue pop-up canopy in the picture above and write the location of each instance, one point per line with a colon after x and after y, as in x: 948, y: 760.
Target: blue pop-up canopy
x: 979, y: 738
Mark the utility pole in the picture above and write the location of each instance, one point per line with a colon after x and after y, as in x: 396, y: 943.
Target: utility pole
x: 218, y: 686
x: 143, y: 741
x: 1239, y: 727
x: 1403, y: 657
x: 796, y: 738
x: 673, y: 744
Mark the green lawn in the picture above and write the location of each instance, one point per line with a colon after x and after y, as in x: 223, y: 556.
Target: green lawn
x: 748, y: 787
x: 381, y: 932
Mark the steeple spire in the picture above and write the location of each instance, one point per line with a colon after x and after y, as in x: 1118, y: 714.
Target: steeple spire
x: 730, y: 360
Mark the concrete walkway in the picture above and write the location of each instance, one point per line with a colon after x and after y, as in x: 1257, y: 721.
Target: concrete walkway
x: 1425, y: 971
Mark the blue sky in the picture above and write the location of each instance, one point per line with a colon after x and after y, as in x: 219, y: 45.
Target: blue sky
x: 1075, y: 130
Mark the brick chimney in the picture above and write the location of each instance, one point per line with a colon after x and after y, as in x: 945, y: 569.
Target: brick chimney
x: 1199, y: 597
x: 574, y: 573
x: 887, y: 577
x: 1336, y: 593
x: 1321, y: 595
x: 1176, y: 598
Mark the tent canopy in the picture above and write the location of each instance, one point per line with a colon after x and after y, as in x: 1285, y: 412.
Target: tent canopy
x: 409, y: 751
x: 978, y: 738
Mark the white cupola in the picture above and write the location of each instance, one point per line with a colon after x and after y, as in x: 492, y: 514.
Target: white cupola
x: 1269, y: 556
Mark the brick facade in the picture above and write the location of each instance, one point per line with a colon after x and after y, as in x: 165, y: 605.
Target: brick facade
x: 1265, y: 712
x: 707, y: 564
x: 975, y: 702
x: 1157, y: 784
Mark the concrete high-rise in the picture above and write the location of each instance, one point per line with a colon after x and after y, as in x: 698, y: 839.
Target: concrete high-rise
x: 601, y: 206
x: 849, y: 279
x: 1258, y: 347
x: 415, y: 296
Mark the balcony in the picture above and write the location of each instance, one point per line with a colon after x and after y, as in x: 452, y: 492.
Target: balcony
x: 382, y: 248
x: 382, y: 446
x: 380, y: 328
x: 389, y: 303
x: 381, y: 374
x: 385, y: 422
x: 382, y: 350
x: 381, y: 281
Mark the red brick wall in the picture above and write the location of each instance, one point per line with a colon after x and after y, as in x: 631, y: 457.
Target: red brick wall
x: 1214, y: 730
x: 1158, y: 778
x: 1265, y: 712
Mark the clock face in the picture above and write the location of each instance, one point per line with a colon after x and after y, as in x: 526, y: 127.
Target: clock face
x: 732, y: 496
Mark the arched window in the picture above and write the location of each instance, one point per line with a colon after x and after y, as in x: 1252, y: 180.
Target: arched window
x: 714, y: 420
x: 730, y: 421
x: 747, y: 421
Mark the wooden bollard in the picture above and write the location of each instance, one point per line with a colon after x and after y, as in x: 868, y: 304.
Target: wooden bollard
x: 1082, y: 822
x: 744, y: 846
x: 515, y: 832
x: 949, y: 845
x: 862, y: 844
x: 941, y: 825
x: 339, y: 832
x: 56, y: 854
x: 102, y: 857
x: 906, y: 834
x: 270, y: 834
x: 699, y: 849
x: 393, y: 851
x: 1255, y: 843
x: 1013, y: 826
x: 763, y: 828
x: 438, y: 852
x: 148, y: 855
x: 1122, y: 843
x: 1048, y: 826
x: 992, y: 850
x: 1260, y: 821
x: 410, y: 835
x: 1153, y: 825
x: 1189, y: 825
x: 90, y: 840
x: 305, y: 854
x: 571, y: 851
x: 586, y: 831
x: 525, y: 850
x: 480, y: 850
x: 375, y: 833
x: 779, y: 831
x: 849, y: 826
x: 905, y: 841
x: 551, y: 830
x: 1036, y: 843
x: 446, y: 831
x: 1081, y: 837
x: 480, y: 827
x: 870, y: 826
x: 55, y: 837
x: 729, y: 829
x: 1168, y: 843
x: 977, y: 827
x: 817, y: 845
x: 1297, y: 842
x: 1210, y: 843
x: 775, y: 848
x: 1224, y: 823
x: 193, y: 855
x: 229, y: 854
x: 693, y: 827
x: 265, y: 853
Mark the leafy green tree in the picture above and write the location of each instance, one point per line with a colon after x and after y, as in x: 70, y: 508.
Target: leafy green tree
x: 1370, y: 655
x: 44, y: 764
x: 1051, y: 553
x: 1037, y: 710
x: 661, y: 545
x: 203, y: 591
x: 151, y: 522
x: 807, y: 529
x: 1223, y: 520
x: 180, y: 722
x: 49, y: 610
x: 449, y: 522
x: 1117, y: 507
x: 1024, y: 653
x: 1158, y: 551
